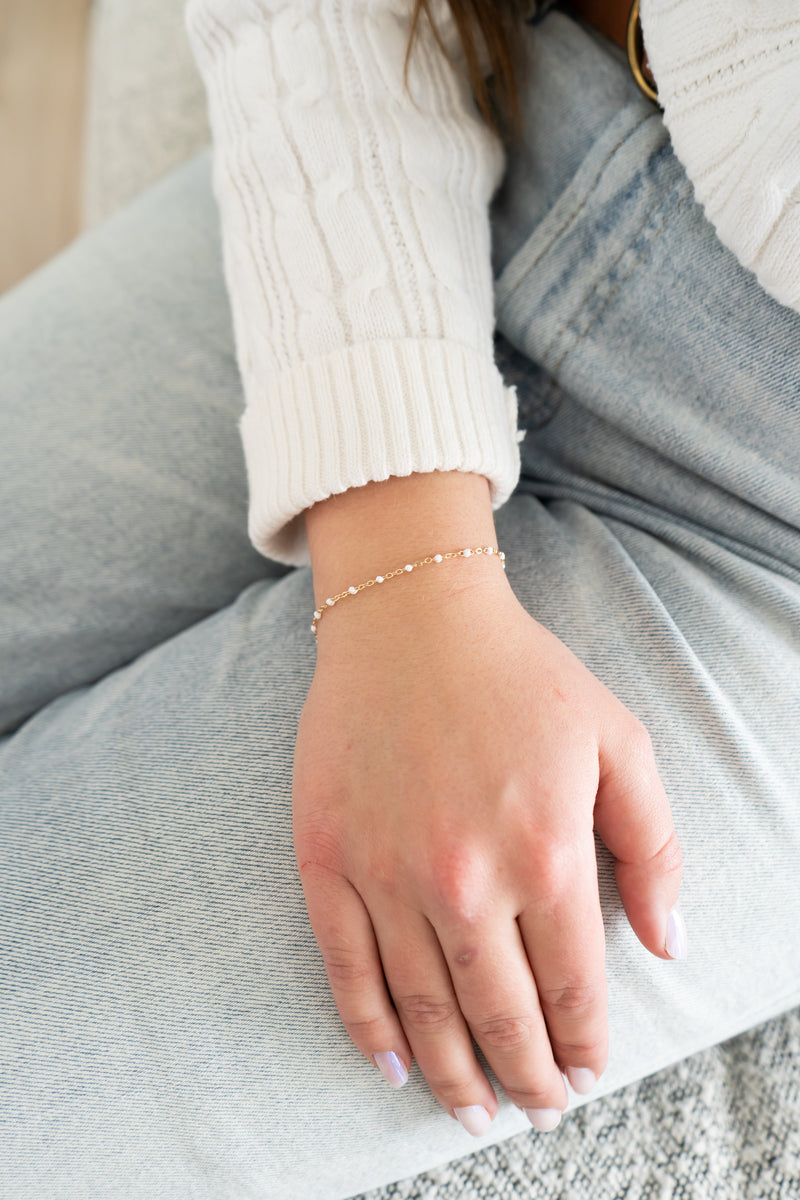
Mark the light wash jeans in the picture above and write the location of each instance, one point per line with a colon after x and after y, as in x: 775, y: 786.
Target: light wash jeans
x: 166, y: 1026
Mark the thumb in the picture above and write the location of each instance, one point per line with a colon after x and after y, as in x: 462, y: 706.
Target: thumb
x: 633, y: 817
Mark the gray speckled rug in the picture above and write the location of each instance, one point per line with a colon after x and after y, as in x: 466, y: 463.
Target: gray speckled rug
x: 725, y: 1124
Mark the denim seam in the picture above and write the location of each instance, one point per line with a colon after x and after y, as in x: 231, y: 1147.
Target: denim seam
x: 636, y: 514
x: 681, y: 198
x: 571, y: 217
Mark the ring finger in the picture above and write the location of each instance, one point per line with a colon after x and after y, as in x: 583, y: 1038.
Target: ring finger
x: 422, y: 991
x: 497, y: 996
x: 478, y: 984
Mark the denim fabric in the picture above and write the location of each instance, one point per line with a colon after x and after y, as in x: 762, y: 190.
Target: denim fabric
x: 165, y: 1024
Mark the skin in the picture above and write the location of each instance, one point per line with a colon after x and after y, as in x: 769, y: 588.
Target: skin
x: 609, y: 17
x: 452, y: 761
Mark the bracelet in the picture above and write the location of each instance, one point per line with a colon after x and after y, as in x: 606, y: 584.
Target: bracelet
x: 407, y: 569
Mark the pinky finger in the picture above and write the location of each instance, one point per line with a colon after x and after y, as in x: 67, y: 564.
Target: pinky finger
x: 344, y: 932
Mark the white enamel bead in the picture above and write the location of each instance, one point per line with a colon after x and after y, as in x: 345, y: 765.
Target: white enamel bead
x: 467, y: 552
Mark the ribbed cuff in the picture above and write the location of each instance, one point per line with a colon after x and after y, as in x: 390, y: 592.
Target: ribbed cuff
x: 364, y: 414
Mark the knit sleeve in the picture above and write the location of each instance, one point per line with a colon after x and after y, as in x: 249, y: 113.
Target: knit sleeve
x: 728, y: 74
x: 357, y: 252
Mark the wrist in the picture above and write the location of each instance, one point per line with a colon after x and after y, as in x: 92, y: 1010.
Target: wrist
x: 376, y: 528
x: 369, y: 533
x: 402, y: 572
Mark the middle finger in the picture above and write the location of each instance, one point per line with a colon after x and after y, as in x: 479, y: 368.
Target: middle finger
x: 422, y: 991
x: 497, y: 995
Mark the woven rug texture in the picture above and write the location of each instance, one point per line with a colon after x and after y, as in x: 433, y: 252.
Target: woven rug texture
x: 723, y: 1125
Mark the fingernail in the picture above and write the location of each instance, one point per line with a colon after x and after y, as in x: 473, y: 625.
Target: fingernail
x: 475, y: 1119
x: 543, y: 1119
x: 676, y: 943
x: 581, y: 1079
x: 391, y: 1068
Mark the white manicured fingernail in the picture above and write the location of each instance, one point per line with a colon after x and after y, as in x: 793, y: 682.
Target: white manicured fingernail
x: 391, y: 1068
x: 475, y: 1119
x: 543, y: 1119
x: 677, y: 942
x: 581, y: 1079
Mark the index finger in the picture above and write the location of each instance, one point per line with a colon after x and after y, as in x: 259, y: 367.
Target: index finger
x: 344, y: 933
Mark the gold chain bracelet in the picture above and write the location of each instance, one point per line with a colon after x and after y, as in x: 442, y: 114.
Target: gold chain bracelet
x: 354, y: 589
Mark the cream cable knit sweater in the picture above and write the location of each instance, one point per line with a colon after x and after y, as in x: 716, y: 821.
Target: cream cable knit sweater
x: 728, y: 75
x: 357, y: 254
x: 356, y: 232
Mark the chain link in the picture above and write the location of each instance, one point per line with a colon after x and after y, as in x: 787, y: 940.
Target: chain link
x: 354, y: 589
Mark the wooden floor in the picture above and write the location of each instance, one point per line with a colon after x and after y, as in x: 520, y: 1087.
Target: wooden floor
x: 42, y: 69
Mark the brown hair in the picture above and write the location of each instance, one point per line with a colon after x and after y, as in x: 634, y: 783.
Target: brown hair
x: 496, y: 22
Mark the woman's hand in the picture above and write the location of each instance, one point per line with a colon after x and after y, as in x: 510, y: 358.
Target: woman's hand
x: 452, y: 760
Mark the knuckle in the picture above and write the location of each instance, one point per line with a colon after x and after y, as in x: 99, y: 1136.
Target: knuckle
x: 640, y: 748
x: 381, y: 871
x: 503, y: 1033
x: 451, y: 1090
x: 584, y: 1053
x: 572, y: 1000
x: 670, y: 858
x: 345, y: 968
x: 459, y: 886
x: 425, y: 1013
x: 639, y: 736
x: 545, y: 1097
x: 319, y: 850
x: 553, y: 865
x: 367, y: 1031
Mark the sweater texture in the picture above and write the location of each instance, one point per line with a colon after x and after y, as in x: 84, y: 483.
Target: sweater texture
x: 355, y: 216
